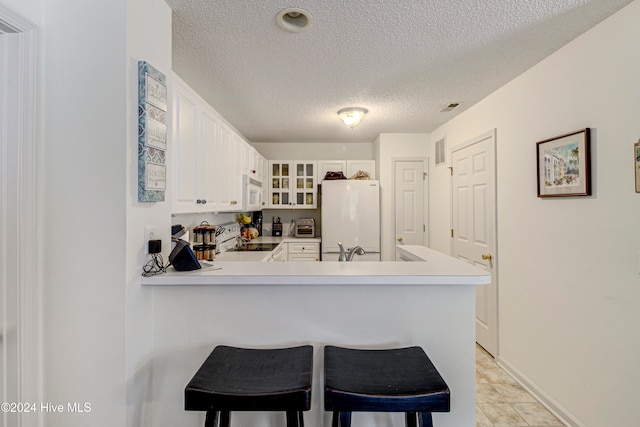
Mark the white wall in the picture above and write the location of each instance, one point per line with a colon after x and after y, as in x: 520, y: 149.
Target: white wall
x: 568, y: 268
x: 82, y: 147
x: 97, y: 318
x: 148, y: 39
x: 387, y: 147
x: 315, y: 150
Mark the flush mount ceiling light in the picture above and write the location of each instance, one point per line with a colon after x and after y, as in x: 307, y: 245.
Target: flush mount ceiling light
x: 351, y: 116
x: 294, y: 20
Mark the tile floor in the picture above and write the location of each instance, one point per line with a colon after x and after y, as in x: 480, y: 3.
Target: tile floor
x: 502, y: 402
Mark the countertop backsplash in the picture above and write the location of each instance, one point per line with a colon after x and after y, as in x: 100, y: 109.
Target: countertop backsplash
x: 286, y: 215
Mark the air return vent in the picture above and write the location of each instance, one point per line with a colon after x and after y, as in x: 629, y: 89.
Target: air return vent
x: 450, y: 106
x: 441, y: 146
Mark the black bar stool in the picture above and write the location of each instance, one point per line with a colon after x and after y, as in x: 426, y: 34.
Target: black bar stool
x: 240, y: 379
x: 392, y: 380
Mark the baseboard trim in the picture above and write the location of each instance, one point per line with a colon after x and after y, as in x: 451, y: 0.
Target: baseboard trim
x: 547, y: 401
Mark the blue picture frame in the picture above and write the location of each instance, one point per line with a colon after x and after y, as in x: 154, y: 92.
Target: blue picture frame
x: 152, y: 133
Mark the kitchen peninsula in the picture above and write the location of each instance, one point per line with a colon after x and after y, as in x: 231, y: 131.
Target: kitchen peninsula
x: 430, y: 303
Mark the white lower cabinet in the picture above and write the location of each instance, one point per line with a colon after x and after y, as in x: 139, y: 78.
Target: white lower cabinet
x: 304, y: 251
x: 279, y: 254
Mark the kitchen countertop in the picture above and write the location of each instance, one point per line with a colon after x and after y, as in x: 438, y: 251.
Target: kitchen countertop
x: 436, y: 269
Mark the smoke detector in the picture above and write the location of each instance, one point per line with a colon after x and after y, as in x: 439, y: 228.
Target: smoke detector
x: 294, y: 20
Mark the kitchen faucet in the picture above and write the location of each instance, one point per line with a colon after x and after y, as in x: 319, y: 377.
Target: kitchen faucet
x: 349, y: 256
x: 354, y: 250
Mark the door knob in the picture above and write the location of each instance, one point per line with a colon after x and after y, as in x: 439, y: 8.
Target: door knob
x: 399, y: 238
x: 487, y: 256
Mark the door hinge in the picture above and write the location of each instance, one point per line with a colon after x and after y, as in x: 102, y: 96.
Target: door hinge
x: 424, y: 228
x: 451, y: 170
x: 424, y: 176
x: 452, y: 232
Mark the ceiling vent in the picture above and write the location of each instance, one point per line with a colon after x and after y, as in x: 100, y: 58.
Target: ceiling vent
x: 294, y: 20
x: 450, y: 106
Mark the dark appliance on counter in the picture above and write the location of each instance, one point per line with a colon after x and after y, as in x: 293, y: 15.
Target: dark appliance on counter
x: 276, y: 227
x: 182, y: 257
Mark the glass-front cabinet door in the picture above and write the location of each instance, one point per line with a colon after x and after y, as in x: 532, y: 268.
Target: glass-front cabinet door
x: 305, y: 191
x: 280, y: 184
x: 293, y: 184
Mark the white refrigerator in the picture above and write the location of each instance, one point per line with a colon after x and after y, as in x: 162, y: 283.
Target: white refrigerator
x: 350, y: 213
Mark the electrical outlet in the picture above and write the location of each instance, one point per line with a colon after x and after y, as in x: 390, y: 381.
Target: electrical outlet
x: 149, y: 234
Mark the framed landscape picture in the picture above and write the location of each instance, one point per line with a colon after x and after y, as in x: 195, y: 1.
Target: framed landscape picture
x: 564, y: 165
x: 636, y: 155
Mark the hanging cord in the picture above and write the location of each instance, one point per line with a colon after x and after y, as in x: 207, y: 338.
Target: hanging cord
x: 154, y: 266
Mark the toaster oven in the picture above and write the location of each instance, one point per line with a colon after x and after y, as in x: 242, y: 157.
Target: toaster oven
x: 305, y: 227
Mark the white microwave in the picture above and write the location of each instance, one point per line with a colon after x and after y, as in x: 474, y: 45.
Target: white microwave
x: 252, y: 190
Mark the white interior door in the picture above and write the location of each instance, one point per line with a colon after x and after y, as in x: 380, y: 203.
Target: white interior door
x: 473, y: 233
x: 410, y: 188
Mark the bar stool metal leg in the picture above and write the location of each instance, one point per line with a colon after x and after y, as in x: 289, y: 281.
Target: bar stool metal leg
x: 211, y: 419
x: 425, y: 419
x: 410, y: 419
x: 225, y: 418
x: 341, y: 419
x: 294, y: 419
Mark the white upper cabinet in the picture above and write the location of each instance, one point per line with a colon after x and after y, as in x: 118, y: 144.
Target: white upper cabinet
x: 280, y: 173
x: 207, y: 162
x: 305, y: 189
x: 347, y: 167
x: 252, y: 162
x: 293, y: 184
x: 188, y: 153
x: 229, y: 167
x: 354, y: 166
x: 206, y: 157
x: 325, y: 166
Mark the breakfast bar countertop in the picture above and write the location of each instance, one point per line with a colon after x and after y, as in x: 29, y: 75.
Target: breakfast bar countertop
x: 436, y: 269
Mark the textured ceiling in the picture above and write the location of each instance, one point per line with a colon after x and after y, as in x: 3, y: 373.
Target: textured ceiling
x: 403, y: 60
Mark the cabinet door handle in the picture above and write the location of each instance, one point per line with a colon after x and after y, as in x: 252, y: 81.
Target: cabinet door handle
x: 399, y: 239
x: 488, y: 257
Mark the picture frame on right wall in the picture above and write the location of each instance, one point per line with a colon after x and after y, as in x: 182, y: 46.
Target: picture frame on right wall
x: 636, y: 156
x: 564, y: 165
